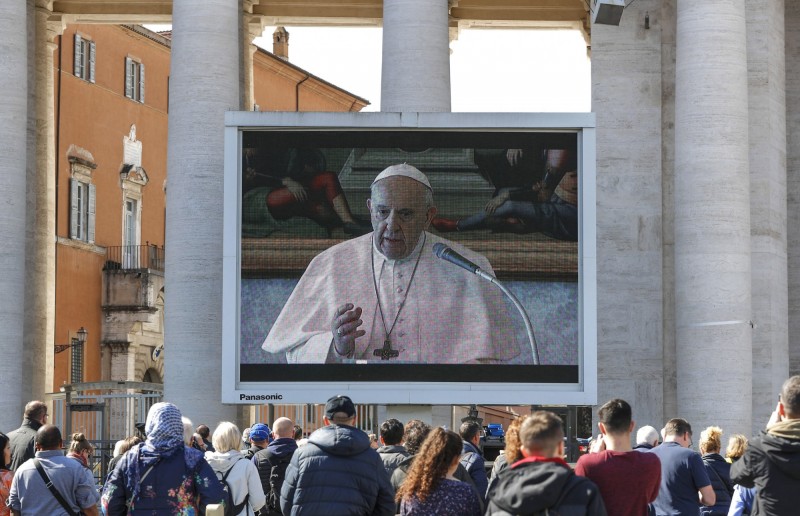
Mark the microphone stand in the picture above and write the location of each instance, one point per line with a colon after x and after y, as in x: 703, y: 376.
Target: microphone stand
x: 527, y: 320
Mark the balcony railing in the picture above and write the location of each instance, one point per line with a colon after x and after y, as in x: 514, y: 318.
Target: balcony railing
x: 126, y: 257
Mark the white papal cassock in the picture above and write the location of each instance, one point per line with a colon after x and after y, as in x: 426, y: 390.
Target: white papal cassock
x: 449, y: 315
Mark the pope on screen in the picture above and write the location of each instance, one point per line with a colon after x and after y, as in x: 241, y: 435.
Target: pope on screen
x: 386, y: 297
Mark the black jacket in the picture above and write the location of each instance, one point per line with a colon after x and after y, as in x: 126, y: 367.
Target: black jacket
x: 337, y: 473
x: 278, y: 450
x: 719, y: 472
x: 22, y: 443
x: 771, y: 463
x: 532, y: 486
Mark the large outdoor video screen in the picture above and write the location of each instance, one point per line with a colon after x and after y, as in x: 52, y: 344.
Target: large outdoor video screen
x: 337, y: 282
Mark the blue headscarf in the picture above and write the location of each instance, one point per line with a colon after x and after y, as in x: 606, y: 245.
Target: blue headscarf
x: 164, y: 430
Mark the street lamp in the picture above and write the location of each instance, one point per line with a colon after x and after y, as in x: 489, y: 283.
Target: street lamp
x: 76, y: 344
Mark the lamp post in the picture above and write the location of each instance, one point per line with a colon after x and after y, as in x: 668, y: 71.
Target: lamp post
x: 76, y: 362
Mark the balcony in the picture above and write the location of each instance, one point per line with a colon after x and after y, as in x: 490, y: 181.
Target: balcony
x: 133, y: 277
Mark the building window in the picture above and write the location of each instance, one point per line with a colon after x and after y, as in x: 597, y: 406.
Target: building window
x: 134, y: 80
x: 82, y: 210
x: 84, y: 58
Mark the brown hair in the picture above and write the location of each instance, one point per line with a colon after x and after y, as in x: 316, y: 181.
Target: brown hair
x: 78, y: 443
x: 737, y: 444
x: 711, y: 440
x: 128, y: 443
x: 512, y: 450
x: 541, y: 432
x: 790, y: 397
x: 430, y: 465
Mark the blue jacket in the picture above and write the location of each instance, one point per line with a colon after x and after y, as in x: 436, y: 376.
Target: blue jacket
x: 176, y: 484
x: 337, y: 473
x: 719, y: 472
x: 473, y: 462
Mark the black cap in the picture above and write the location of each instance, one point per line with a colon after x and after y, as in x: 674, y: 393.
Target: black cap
x: 339, y: 404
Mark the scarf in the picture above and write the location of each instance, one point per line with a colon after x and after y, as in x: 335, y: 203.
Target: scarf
x: 164, y: 429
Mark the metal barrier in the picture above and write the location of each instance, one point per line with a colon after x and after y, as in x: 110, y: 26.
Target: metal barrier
x: 105, y: 412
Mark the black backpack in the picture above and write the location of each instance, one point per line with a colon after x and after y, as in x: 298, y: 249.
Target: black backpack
x: 276, y: 475
x: 232, y: 509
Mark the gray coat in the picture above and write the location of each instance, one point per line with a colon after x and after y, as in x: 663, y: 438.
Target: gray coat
x: 392, y: 456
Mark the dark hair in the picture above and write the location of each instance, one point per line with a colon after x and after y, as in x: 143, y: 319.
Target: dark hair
x: 677, y: 426
x: 3, y: 442
x: 415, y: 434
x: 48, y: 437
x: 468, y: 430
x: 790, y: 397
x: 203, y: 431
x: 298, y: 432
x: 34, y: 410
x: 542, y: 431
x: 616, y: 416
x: 435, y: 457
x: 392, y: 432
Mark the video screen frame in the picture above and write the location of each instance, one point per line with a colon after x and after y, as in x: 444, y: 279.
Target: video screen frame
x: 276, y: 383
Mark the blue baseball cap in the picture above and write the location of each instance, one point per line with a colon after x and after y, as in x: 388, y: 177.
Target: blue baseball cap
x: 259, y: 432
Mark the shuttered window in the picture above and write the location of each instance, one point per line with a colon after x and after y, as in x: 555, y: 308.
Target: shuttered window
x: 134, y: 80
x: 84, y: 58
x: 82, y: 210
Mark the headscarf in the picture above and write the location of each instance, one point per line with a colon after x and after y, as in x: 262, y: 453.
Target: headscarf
x: 164, y: 430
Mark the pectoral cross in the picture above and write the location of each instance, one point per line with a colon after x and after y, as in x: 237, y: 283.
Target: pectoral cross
x: 386, y: 352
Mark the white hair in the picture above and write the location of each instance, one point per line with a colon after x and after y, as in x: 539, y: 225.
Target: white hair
x: 646, y: 435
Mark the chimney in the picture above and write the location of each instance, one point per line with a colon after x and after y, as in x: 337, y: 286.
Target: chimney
x: 280, y: 43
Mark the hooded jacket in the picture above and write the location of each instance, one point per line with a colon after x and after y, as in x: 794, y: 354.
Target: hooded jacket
x: 392, y: 455
x: 279, y: 450
x: 536, y: 484
x: 771, y: 463
x: 337, y: 473
x: 242, y: 479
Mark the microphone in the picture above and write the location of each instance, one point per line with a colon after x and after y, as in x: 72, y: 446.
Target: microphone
x: 446, y: 253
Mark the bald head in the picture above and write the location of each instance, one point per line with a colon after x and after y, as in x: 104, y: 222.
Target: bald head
x: 283, y: 427
x: 48, y: 437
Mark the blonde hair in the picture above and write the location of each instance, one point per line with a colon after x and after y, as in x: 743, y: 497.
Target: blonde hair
x: 737, y: 444
x: 226, y: 437
x: 78, y: 444
x: 711, y: 440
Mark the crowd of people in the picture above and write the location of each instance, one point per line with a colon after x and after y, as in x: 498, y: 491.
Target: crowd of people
x: 411, y: 469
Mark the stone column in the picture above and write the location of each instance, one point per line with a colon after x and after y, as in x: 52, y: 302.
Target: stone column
x: 13, y: 114
x: 627, y: 99
x: 204, y: 84
x: 792, y: 24
x: 712, y: 217
x: 767, y: 107
x: 415, y: 76
x: 415, y: 73
x: 41, y: 209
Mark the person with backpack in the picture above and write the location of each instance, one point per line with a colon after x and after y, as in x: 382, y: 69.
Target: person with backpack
x: 239, y: 477
x: 161, y: 476
x: 272, y: 461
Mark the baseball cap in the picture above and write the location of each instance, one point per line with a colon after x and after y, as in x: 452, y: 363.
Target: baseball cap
x: 339, y: 404
x: 259, y: 432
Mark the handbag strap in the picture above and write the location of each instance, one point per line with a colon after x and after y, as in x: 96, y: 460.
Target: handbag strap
x: 49, y: 483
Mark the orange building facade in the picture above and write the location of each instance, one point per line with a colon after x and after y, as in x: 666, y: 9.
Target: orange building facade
x: 111, y: 105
